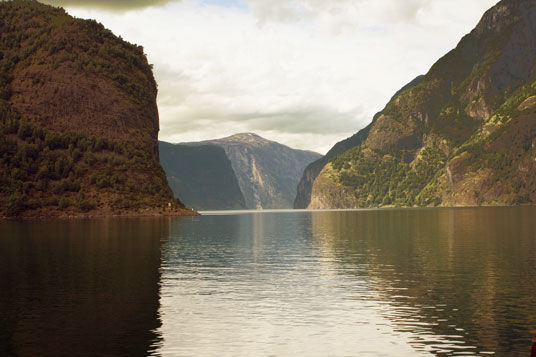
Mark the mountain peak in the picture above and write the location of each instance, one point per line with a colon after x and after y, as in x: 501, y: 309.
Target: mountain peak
x: 267, y: 172
x: 459, y: 136
x: 504, y: 14
x: 245, y: 138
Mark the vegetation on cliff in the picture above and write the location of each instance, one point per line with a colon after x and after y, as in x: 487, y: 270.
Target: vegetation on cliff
x: 78, y: 118
x: 305, y: 187
x: 463, y: 135
x: 389, y: 179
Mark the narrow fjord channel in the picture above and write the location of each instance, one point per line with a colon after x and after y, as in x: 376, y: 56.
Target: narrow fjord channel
x: 339, y: 283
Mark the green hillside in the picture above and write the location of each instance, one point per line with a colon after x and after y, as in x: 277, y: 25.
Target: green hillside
x: 464, y: 135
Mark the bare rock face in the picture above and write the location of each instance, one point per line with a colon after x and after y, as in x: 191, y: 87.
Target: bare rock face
x: 268, y: 173
x: 464, y: 135
x: 78, y: 119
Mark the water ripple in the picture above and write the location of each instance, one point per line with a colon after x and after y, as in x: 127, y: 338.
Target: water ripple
x: 401, y: 283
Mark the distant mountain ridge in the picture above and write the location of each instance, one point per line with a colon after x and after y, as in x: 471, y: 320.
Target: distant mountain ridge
x: 463, y: 135
x: 202, y: 176
x: 268, y: 173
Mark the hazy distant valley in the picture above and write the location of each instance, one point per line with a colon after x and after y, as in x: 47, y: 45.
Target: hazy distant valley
x: 267, y: 173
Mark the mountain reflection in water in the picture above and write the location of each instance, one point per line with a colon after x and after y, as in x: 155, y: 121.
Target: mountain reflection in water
x: 376, y: 282
x: 80, y: 287
x: 456, y: 279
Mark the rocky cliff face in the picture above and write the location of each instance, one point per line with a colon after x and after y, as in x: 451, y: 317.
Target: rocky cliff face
x: 268, y: 173
x: 202, y: 176
x: 78, y: 118
x: 464, y: 135
x: 305, y: 187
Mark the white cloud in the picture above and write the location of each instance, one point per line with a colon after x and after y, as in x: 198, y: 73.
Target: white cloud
x: 117, y: 5
x: 307, y: 73
x: 340, y: 12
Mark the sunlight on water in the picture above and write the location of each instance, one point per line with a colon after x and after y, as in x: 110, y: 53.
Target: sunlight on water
x: 402, y: 283
x: 332, y: 283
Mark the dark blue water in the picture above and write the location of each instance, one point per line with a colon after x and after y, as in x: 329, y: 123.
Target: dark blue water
x: 377, y: 283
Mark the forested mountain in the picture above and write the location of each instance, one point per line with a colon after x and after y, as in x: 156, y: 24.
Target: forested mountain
x: 305, y: 187
x: 464, y: 134
x: 78, y: 119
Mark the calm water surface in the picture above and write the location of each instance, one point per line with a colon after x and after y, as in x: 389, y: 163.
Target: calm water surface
x: 350, y: 283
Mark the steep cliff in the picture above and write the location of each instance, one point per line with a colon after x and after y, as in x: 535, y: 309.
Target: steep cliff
x: 268, y: 173
x: 202, y: 176
x: 305, y: 187
x: 78, y: 119
x: 464, y: 135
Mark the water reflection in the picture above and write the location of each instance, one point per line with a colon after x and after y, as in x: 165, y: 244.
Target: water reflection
x: 256, y: 285
x: 84, y: 287
x: 376, y: 283
x: 461, y: 281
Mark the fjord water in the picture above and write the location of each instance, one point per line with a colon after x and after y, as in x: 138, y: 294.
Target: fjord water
x: 340, y: 283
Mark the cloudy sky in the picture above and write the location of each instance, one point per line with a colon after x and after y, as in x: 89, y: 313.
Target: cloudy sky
x: 306, y: 73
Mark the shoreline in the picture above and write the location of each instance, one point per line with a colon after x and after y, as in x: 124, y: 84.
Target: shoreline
x: 298, y: 210
x: 191, y: 213
x: 181, y: 213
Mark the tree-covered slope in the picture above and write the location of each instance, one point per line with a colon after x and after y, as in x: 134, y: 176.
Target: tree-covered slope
x: 305, y: 187
x: 78, y: 119
x: 202, y: 176
x: 464, y: 135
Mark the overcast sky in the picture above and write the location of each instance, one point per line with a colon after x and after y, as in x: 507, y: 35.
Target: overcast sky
x: 306, y: 73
